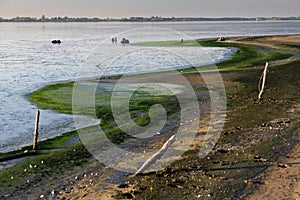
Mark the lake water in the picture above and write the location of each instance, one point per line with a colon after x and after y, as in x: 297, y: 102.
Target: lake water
x: 29, y: 61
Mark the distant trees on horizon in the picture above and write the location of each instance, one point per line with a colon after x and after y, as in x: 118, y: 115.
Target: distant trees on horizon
x: 139, y: 19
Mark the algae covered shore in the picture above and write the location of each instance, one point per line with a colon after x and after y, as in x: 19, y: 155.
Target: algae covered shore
x: 259, y: 137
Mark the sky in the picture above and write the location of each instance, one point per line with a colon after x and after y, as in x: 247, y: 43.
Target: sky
x: 148, y: 8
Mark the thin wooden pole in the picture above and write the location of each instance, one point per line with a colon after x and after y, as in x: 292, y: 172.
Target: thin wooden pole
x: 156, y: 156
x: 36, y: 130
x: 261, y: 86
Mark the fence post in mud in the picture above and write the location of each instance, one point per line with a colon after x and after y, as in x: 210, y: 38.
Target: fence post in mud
x: 36, y: 130
x: 262, y: 81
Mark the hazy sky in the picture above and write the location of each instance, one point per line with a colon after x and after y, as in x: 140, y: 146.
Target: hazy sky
x: 165, y: 8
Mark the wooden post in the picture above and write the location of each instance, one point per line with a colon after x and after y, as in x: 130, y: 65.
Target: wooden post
x: 261, y: 85
x: 36, y: 130
x: 156, y: 156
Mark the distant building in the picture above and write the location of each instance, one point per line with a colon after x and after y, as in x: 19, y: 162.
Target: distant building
x: 43, y: 18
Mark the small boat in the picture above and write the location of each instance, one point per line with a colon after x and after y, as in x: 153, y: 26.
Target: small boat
x: 56, y: 41
x: 125, y: 41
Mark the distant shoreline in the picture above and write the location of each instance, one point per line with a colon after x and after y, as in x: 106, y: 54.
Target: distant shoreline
x: 145, y: 19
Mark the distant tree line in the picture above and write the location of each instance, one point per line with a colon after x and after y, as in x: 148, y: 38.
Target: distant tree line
x: 140, y: 19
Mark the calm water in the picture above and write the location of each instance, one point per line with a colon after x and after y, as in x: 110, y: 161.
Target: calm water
x: 29, y: 61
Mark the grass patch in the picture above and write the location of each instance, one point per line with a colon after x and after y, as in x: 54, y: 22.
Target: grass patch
x: 246, y: 55
x: 249, y: 56
x: 54, y: 97
x: 59, y: 97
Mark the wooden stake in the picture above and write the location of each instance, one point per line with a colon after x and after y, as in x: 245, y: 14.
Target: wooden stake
x: 156, y: 156
x: 36, y: 130
x: 261, y: 86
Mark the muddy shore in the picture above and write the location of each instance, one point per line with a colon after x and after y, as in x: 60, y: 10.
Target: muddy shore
x: 256, y: 157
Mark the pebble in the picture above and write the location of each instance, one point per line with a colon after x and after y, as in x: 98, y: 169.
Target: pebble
x: 283, y: 166
x: 42, y: 196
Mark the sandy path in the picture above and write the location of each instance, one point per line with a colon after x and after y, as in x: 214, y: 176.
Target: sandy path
x: 276, y: 42
x: 282, y: 183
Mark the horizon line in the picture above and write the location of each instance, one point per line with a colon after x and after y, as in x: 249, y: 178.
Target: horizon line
x: 147, y: 17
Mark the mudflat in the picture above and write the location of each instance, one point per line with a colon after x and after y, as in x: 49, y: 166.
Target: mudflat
x: 256, y: 157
